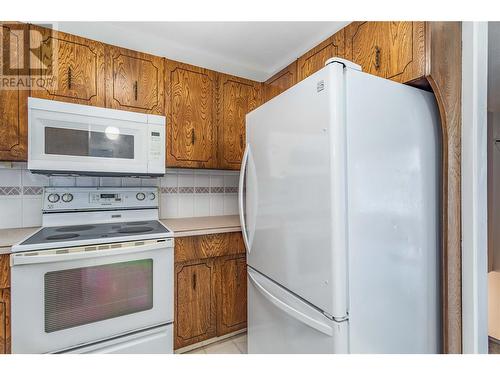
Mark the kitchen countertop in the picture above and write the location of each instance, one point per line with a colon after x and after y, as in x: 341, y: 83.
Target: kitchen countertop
x: 9, y: 237
x: 187, y: 226
x: 195, y: 226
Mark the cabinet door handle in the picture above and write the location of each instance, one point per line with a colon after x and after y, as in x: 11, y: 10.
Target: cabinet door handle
x: 135, y: 90
x: 193, y: 137
x: 193, y: 281
x: 241, y: 141
x: 69, y: 77
x: 377, y: 57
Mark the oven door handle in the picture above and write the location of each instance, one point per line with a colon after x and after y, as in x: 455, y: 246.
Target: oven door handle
x: 51, y: 256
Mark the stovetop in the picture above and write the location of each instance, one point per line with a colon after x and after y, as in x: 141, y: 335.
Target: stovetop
x: 75, y: 235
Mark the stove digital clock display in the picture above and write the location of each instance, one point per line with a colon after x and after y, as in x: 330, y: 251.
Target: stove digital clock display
x: 106, y: 198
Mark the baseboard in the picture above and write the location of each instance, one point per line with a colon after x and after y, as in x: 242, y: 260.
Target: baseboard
x: 208, y: 342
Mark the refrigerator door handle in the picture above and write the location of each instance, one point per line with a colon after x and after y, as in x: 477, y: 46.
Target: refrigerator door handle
x: 307, y: 320
x: 240, y: 197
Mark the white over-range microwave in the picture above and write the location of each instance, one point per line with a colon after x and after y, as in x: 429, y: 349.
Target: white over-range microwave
x: 66, y: 138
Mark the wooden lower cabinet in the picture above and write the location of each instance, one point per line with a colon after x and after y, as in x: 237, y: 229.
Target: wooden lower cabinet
x: 232, y: 294
x: 210, y: 292
x: 5, y: 321
x: 194, y: 302
x: 5, y: 304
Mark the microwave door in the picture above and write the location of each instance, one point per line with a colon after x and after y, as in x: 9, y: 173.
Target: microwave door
x: 115, y: 142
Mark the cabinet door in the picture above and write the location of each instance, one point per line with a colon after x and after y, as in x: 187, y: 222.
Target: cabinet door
x: 190, y: 106
x: 280, y: 81
x: 74, y: 67
x: 5, y: 341
x: 4, y: 271
x: 392, y: 50
x: 13, y: 101
x: 315, y: 59
x: 134, y: 81
x: 237, y: 97
x: 194, y: 302
x: 231, y: 294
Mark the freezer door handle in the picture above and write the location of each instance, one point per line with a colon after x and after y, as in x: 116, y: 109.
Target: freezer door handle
x: 240, y: 197
x: 294, y: 313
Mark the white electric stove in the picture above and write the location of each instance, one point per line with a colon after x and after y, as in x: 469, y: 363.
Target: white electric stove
x: 97, y: 277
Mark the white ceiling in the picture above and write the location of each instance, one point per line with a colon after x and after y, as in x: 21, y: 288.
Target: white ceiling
x: 254, y: 50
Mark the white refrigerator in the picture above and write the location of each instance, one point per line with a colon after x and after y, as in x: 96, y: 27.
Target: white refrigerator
x: 339, y: 205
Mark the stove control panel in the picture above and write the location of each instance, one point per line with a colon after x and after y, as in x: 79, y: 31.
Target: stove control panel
x: 106, y: 198
x: 93, y: 198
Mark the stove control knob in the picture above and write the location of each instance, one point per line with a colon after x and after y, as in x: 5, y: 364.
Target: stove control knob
x: 140, y: 196
x: 152, y: 196
x: 53, y: 198
x: 68, y: 197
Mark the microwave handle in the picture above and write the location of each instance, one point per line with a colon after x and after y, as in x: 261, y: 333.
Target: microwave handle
x: 19, y: 259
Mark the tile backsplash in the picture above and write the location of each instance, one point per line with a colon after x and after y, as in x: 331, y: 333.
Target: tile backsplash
x: 184, y: 193
x: 187, y: 193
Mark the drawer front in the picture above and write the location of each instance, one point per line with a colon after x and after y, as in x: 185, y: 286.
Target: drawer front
x: 208, y: 246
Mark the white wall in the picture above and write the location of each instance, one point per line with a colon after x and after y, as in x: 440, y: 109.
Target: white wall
x: 184, y: 193
x: 474, y: 186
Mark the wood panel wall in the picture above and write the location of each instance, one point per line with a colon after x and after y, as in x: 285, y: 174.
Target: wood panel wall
x: 444, y: 74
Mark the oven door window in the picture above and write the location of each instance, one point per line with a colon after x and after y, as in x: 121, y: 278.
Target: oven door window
x: 79, y: 296
x: 75, y: 142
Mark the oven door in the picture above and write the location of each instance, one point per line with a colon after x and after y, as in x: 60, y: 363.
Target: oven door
x: 73, y: 138
x: 65, y: 300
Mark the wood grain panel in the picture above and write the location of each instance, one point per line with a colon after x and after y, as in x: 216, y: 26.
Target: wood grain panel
x: 281, y: 81
x: 207, y: 246
x: 232, y: 294
x: 392, y: 50
x: 4, y: 271
x: 5, y: 326
x: 13, y: 102
x: 236, y: 97
x: 443, y: 42
x: 191, y: 109
x: 76, y: 67
x: 195, y: 314
x: 134, y: 81
x: 315, y: 59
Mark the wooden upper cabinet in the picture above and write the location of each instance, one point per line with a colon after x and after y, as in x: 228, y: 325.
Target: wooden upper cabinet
x: 393, y: 50
x: 13, y: 101
x: 281, y: 81
x: 315, y: 59
x: 232, y: 294
x: 191, y: 111
x: 72, y: 68
x: 134, y: 81
x: 195, y: 318
x: 236, y: 97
